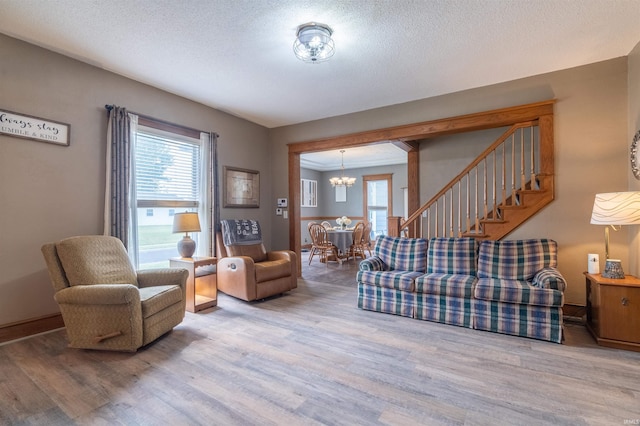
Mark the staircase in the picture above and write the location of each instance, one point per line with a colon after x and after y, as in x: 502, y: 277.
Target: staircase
x: 500, y: 190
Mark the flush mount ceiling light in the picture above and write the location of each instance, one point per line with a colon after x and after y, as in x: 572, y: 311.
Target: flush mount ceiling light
x: 342, y: 180
x: 313, y: 43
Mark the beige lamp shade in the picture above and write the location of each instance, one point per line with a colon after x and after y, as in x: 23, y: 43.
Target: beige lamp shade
x: 616, y: 208
x: 186, y: 222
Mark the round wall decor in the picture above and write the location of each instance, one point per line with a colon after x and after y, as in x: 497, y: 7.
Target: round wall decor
x: 635, y: 155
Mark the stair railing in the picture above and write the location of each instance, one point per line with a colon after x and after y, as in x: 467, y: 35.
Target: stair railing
x: 490, y: 183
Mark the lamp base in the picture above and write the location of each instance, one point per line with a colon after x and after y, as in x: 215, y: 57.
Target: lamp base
x: 613, y: 269
x: 186, y: 246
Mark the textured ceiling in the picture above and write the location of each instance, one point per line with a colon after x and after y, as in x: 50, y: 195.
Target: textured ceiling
x: 236, y: 55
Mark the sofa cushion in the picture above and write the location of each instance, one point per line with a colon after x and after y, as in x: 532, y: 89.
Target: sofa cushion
x: 446, y: 285
x: 87, y: 260
x: 515, y: 259
x: 155, y: 299
x: 402, y: 254
x: 272, y: 269
x: 399, y: 280
x: 452, y: 256
x: 516, y: 291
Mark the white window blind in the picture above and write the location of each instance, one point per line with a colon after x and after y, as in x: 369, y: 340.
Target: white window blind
x: 167, y: 169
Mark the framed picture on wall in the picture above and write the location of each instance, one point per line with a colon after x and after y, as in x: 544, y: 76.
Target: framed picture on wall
x: 341, y: 194
x: 308, y: 193
x: 241, y: 187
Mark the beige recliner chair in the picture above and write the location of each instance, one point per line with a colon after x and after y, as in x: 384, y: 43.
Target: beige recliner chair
x: 105, y: 303
x: 246, y: 270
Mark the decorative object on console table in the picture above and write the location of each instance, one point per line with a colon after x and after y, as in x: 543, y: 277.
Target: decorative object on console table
x: 613, y: 269
x: 613, y: 311
x: 593, y: 265
x: 611, y: 209
x: 201, y: 286
x: 186, y: 222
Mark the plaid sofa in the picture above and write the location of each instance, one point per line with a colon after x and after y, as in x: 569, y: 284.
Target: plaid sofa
x: 386, y: 280
x: 445, y: 292
x: 519, y: 290
x: 510, y: 287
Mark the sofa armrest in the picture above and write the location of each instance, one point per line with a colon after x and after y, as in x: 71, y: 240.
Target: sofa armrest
x: 549, y: 278
x: 99, y: 294
x: 281, y: 255
x: 291, y: 257
x: 165, y: 276
x: 373, y: 263
x: 237, y: 276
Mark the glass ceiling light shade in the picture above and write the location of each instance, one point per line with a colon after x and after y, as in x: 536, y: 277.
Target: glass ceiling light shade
x: 342, y: 180
x: 615, y: 208
x: 313, y: 43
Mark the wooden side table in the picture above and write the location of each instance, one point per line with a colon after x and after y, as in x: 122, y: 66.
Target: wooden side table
x: 613, y: 311
x: 202, y: 289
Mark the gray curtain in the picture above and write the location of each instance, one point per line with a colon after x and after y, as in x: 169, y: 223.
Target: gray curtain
x: 215, y: 205
x: 118, y: 174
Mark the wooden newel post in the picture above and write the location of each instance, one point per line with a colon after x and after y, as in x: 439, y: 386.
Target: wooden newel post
x: 393, y: 225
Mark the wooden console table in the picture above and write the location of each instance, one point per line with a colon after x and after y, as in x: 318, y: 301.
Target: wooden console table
x: 613, y: 311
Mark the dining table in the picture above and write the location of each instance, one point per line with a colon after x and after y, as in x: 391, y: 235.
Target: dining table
x: 342, y: 239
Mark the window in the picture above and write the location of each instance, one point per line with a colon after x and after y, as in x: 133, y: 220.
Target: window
x: 309, y: 193
x: 170, y: 176
x: 377, y: 202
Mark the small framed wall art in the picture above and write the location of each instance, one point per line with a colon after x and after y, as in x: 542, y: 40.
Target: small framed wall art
x: 241, y: 187
x: 34, y: 128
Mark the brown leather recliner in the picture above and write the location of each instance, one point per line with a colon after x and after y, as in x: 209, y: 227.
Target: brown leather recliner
x: 249, y: 272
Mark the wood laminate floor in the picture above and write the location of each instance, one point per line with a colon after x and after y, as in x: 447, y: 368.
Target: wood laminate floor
x: 312, y: 357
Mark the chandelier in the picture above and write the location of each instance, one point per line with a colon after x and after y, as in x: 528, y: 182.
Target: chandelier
x: 342, y: 180
x: 313, y: 43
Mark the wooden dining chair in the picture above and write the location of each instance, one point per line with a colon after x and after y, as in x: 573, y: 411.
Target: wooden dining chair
x: 326, y: 224
x: 320, y: 244
x: 357, y: 247
x: 366, y: 238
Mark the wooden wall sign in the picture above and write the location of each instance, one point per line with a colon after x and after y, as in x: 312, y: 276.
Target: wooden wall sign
x: 29, y: 127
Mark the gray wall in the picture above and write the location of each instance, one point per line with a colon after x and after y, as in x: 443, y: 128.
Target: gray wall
x: 353, y: 207
x: 633, y: 126
x: 591, y: 151
x: 49, y: 192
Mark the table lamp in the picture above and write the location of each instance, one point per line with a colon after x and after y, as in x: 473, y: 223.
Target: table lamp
x: 186, y: 222
x: 611, y: 209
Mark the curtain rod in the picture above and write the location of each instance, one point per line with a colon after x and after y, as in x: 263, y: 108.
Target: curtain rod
x: 110, y: 107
